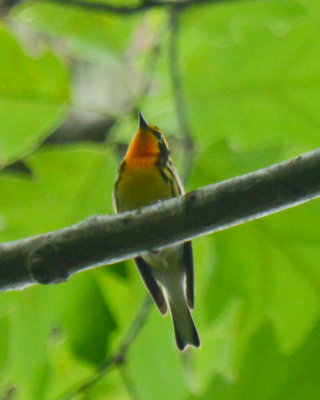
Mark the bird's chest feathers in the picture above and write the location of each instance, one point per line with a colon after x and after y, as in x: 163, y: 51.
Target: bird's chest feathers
x: 141, y: 186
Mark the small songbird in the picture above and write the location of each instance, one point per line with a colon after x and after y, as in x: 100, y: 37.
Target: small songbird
x: 146, y: 175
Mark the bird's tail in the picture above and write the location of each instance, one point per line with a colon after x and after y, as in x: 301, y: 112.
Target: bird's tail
x: 184, y: 328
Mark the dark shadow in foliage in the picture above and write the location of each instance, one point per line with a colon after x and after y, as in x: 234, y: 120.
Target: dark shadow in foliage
x: 89, y: 322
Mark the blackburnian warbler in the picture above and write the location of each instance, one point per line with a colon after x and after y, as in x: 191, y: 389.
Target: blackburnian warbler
x: 146, y: 175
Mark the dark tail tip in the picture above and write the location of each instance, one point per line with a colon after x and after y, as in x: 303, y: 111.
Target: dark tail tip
x: 180, y: 343
x: 195, y: 338
x: 183, y: 343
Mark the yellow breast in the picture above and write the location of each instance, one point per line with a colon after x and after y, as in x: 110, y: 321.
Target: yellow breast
x: 140, y: 186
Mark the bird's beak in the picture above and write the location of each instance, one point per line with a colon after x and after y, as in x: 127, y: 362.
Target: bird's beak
x: 143, y: 124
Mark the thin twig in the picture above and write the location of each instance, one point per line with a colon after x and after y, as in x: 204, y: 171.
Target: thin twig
x: 116, y: 360
x: 179, y: 100
x: 131, y: 10
x: 128, y: 383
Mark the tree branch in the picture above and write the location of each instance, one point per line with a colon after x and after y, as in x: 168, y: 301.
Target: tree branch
x: 130, y: 10
x: 99, y: 240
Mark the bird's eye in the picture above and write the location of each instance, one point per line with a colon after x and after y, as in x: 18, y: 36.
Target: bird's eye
x: 158, y: 135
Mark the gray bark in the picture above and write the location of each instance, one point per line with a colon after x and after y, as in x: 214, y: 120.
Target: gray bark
x: 99, y: 240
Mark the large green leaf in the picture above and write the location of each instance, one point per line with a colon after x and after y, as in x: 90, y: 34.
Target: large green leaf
x: 154, y: 363
x: 68, y: 186
x: 88, y: 320
x: 269, y: 375
x: 4, y: 341
x: 91, y: 34
x: 262, y: 271
x: 251, y: 74
x: 33, y: 96
x: 27, y: 368
x: 45, y: 324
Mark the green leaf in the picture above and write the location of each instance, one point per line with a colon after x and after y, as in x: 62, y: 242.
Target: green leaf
x: 156, y: 371
x: 33, y: 97
x: 90, y: 34
x: 261, y: 271
x: 271, y: 277
x: 219, y: 161
x: 47, y: 321
x: 293, y: 305
x: 251, y: 74
x: 27, y: 363
x: 4, y: 341
x: 87, y: 319
x: 123, y: 295
x: 270, y: 375
x: 69, y: 185
x: 111, y: 387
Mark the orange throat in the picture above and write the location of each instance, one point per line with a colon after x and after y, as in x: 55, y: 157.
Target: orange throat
x: 143, y: 150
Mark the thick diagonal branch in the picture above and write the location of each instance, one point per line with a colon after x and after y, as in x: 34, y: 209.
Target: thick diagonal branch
x: 131, y: 10
x: 99, y: 240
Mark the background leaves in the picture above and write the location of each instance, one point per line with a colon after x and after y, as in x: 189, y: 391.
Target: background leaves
x: 250, y: 81
x: 33, y: 97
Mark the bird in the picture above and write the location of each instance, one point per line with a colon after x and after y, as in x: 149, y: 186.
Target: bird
x: 147, y: 175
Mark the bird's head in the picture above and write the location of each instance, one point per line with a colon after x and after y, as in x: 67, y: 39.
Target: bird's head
x: 147, y: 145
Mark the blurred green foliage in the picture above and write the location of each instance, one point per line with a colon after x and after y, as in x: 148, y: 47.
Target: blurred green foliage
x: 251, y: 81
x: 33, y: 96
